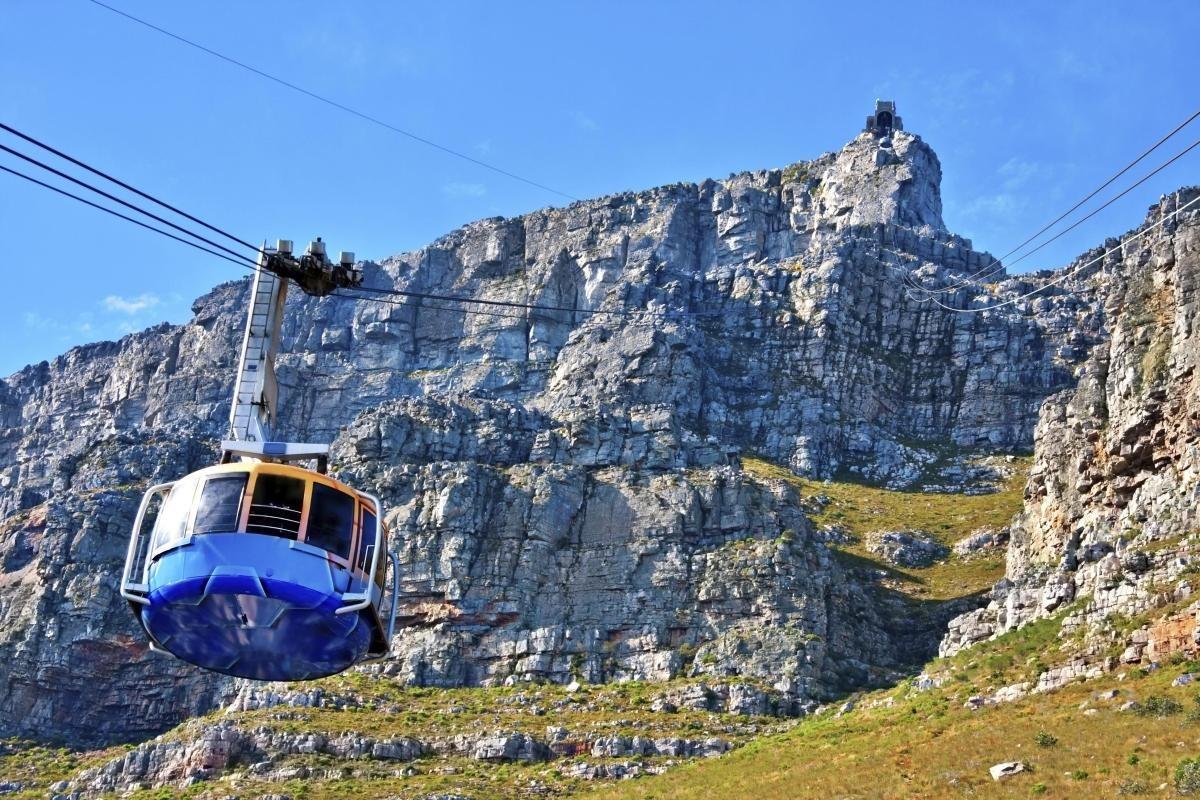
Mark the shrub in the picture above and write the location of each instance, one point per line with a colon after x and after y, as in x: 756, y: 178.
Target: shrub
x: 1159, y: 706
x: 1079, y: 775
x: 1044, y: 739
x: 1133, y: 759
x: 1131, y: 786
x: 1187, y: 776
x: 1037, y: 788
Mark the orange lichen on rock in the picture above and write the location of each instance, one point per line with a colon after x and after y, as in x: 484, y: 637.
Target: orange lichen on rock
x: 1177, y: 633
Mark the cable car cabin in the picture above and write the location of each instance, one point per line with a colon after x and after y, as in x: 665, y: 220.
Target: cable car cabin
x: 261, y: 570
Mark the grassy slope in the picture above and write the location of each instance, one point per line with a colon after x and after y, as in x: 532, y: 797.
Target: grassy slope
x: 928, y: 745
x: 392, y: 710
x: 947, y: 517
x: 39, y: 766
x: 897, y: 743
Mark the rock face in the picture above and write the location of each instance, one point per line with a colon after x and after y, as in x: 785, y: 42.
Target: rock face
x: 80, y: 438
x: 906, y: 548
x: 981, y: 540
x: 209, y: 750
x: 1115, y: 485
x: 564, y: 486
x: 1120, y: 455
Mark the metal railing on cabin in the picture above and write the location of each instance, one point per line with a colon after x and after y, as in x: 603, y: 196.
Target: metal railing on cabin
x: 274, y: 520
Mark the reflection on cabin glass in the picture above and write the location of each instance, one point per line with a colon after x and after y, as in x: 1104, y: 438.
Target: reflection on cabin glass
x: 381, y: 568
x: 366, y: 541
x: 174, y: 514
x: 219, y: 504
x: 330, y: 520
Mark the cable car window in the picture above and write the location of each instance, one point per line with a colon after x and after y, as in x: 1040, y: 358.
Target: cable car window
x: 381, y: 570
x: 174, y: 513
x: 366, y: 541
x: 277, y: 506
x: 219, y: 504
x: 330, y: 520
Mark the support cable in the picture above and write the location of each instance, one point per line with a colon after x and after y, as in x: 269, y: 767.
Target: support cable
x: 1112, y: 200
x: 124, y: 185
x: 85, y: 201
x: 116, y: 199
x: 250, y: 264
x: 1071, y: 271
x: 335, y: 104
x: 997, y: 264
x: 526, y: 306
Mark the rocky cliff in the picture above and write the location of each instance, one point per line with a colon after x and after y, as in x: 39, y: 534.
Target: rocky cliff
x: 1112, y: 497
x: 565, y: 485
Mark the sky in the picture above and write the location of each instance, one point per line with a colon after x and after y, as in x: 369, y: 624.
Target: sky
x: 1029, y: 105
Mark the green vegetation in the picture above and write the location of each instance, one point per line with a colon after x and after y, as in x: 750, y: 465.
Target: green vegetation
x: 385, y: 709
x: 1149, y: 317
x: 1013, y: 657
x: 1131, y: 787
x: 38, y: 766
x: 795, y: 173
x: 1154, y: 362
x: 1187, y: 776
x: 1159, y: 706
x: 947, y: 517
x: 422, y: 374
x: 1044, y: 739
x: 394, y: 710
x: 926, y: 744
x: 1165, y: 543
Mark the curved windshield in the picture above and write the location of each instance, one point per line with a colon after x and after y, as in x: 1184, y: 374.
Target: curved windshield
x: 173, y: 517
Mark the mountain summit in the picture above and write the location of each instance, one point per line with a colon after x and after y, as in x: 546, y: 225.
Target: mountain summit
x: 884, y: 179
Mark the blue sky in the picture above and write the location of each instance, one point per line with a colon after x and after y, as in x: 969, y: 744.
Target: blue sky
x: 1029, y: 106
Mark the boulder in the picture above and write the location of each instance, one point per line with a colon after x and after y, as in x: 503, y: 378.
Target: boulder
x: 1006, y: 769
x: 906, y: 548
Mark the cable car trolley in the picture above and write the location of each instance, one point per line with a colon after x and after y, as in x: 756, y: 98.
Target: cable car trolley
x: 257, y: 567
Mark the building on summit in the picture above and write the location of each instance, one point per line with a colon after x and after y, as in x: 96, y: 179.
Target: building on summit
x: 884, y: 120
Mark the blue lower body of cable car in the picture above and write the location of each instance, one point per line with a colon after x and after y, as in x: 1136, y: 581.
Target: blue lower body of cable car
x: 257, y: 606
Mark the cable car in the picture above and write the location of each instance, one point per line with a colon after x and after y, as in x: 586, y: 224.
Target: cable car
x: 262, y: 570
x: 256, y: 567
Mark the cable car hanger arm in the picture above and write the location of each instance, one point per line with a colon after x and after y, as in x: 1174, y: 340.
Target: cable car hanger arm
x: 256, y: 391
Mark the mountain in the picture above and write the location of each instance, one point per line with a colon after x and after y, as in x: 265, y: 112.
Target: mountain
x: 641, y: 488
x: 1078, y: 676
